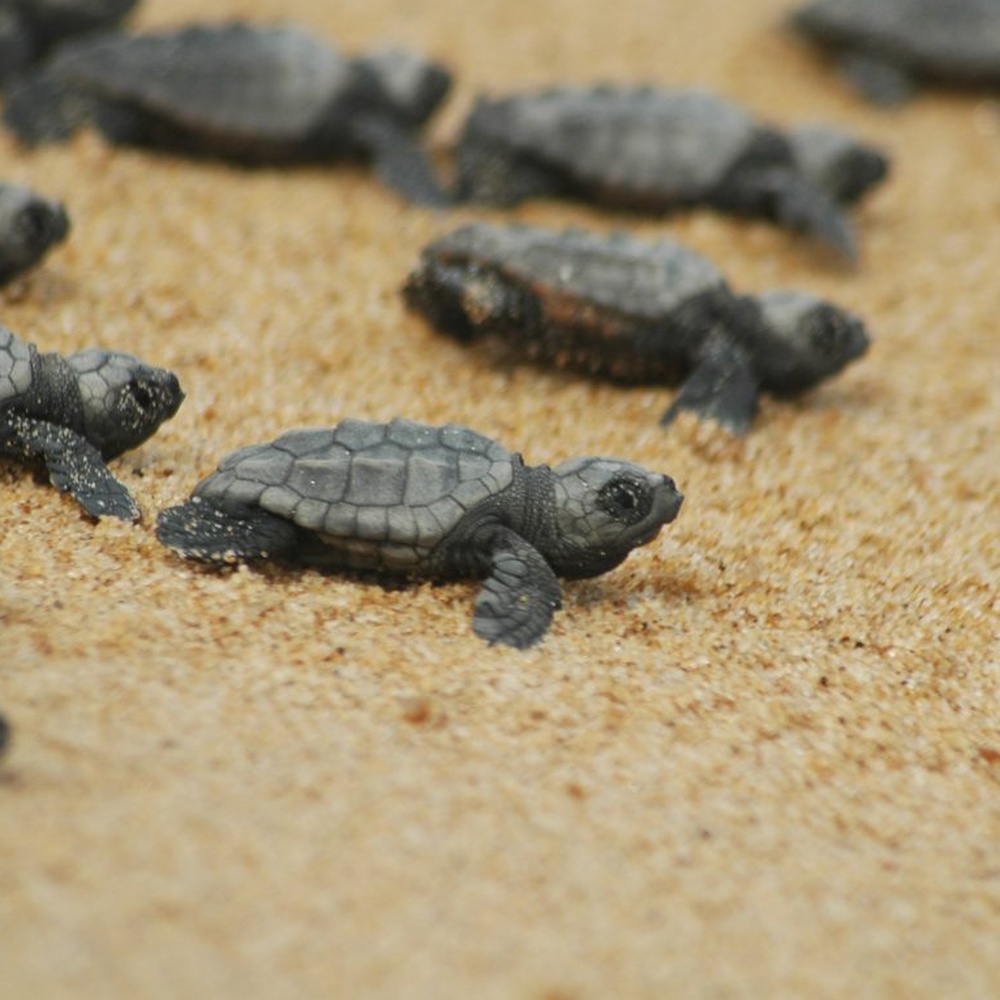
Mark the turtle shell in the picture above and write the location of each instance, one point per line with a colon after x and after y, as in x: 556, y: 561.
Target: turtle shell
x: 953, y: 38
x: 267, y: 83
x: 618, y: 273
x: 675, y: 144
x: 15, y: 368
x: 383, y: 494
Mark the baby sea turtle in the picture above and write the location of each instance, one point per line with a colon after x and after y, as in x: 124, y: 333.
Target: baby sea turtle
x: 886, y: 46
x: 247, y: 93
x: 30, y: 28
x: 649, y: 149
x: 407, y: 499
x: 76, y: 412
x: 29, y: 226
x: 632, y: 311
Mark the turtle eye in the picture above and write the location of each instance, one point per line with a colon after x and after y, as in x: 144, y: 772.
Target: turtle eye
x: 141, y: 395
x: 625, y: 498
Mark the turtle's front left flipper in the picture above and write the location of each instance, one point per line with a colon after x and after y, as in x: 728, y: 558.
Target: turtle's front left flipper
x: 401, y: 164
x: 74, y: 465
x: 519, y: 597
x: 722, y: 387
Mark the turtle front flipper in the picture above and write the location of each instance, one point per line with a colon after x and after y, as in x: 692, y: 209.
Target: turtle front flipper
x: 198, y: 529
x: 519, y: 597
x: 722, y: 387
x: 74, y: 465
x: 400, y: 163
x: 798, y: 205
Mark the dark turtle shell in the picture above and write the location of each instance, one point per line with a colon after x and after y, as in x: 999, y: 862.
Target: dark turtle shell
x: 394, y: 490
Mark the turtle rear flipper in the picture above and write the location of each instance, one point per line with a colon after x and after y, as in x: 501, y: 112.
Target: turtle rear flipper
x: 42, y: 107
x: 519, y: 597
x: 74, y: 465
x: 200, y: 530
x: 723, y: 387
x: 880, y: 81
x: 400, y: 163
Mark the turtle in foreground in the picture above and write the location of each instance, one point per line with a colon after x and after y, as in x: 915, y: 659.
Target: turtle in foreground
x: 885, y: 47
x: 632, y: 311
x: 407, y: 499
x: 246, y: 93
x: 74, y: 413
x: 30, y: 28
x: 29, y: 226
x: 646, y: 149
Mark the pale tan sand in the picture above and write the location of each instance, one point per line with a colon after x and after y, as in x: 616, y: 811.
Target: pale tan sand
x: 761, y: 759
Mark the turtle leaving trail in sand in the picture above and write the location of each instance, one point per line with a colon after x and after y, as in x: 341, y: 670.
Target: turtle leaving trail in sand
x: 29, y: 226
x: 74, y: 413
x: 647, y: 149
x: 30, y: 28
x: 241, y: 92
x: 407, y: 499
x: 886, y: 47
x: 633, y: 311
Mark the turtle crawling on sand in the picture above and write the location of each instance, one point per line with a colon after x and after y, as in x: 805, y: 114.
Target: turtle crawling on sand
x: 74, y: 413
x: 246, y: 93
x: 632, y: 311
x: 30, y: 28
x: 885, y: 47
x: 407, y: 499
x: 29, y: 226
x: 647, y: 149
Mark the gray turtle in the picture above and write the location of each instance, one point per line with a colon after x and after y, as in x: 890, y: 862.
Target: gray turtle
x: 247, y: 93
x: 632, y: 311
x: 406, y: 499
x: 76, y: 412
x: 648, y: 149
x: 29, y: 226
x: 886, y: 46
x: 30, y: 28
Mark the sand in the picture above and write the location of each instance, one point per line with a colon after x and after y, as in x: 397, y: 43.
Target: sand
x: 760, y: 759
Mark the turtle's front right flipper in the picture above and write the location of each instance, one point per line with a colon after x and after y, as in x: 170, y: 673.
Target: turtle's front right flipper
x: 74, y: 465
x: 722, y: 387
x: 519, y: 597
x: 401, y: 164
x: 199, y: 530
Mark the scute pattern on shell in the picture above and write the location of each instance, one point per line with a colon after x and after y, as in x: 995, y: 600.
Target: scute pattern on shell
x: 959, y: 39
x: 278, y: 80
x: 679, y: 143
x: 403, y: 483
x: 619, y: 271
x: 15, y: 366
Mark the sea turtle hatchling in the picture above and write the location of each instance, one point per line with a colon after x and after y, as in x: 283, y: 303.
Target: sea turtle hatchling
x: 650, y: 149
x: 407, y: 499
x: 885, y: 47
x: 632, y: 311
x: 30, y: 28
x: 29, y: 226
x: 76, y: 412
x: 242, y: 92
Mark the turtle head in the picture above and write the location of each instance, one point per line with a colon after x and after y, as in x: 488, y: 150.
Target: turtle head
x: 413, y: 86
x: 30, y: 225
x: 806, y: 340
x: 124, y: 400
x: 604, y: 508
